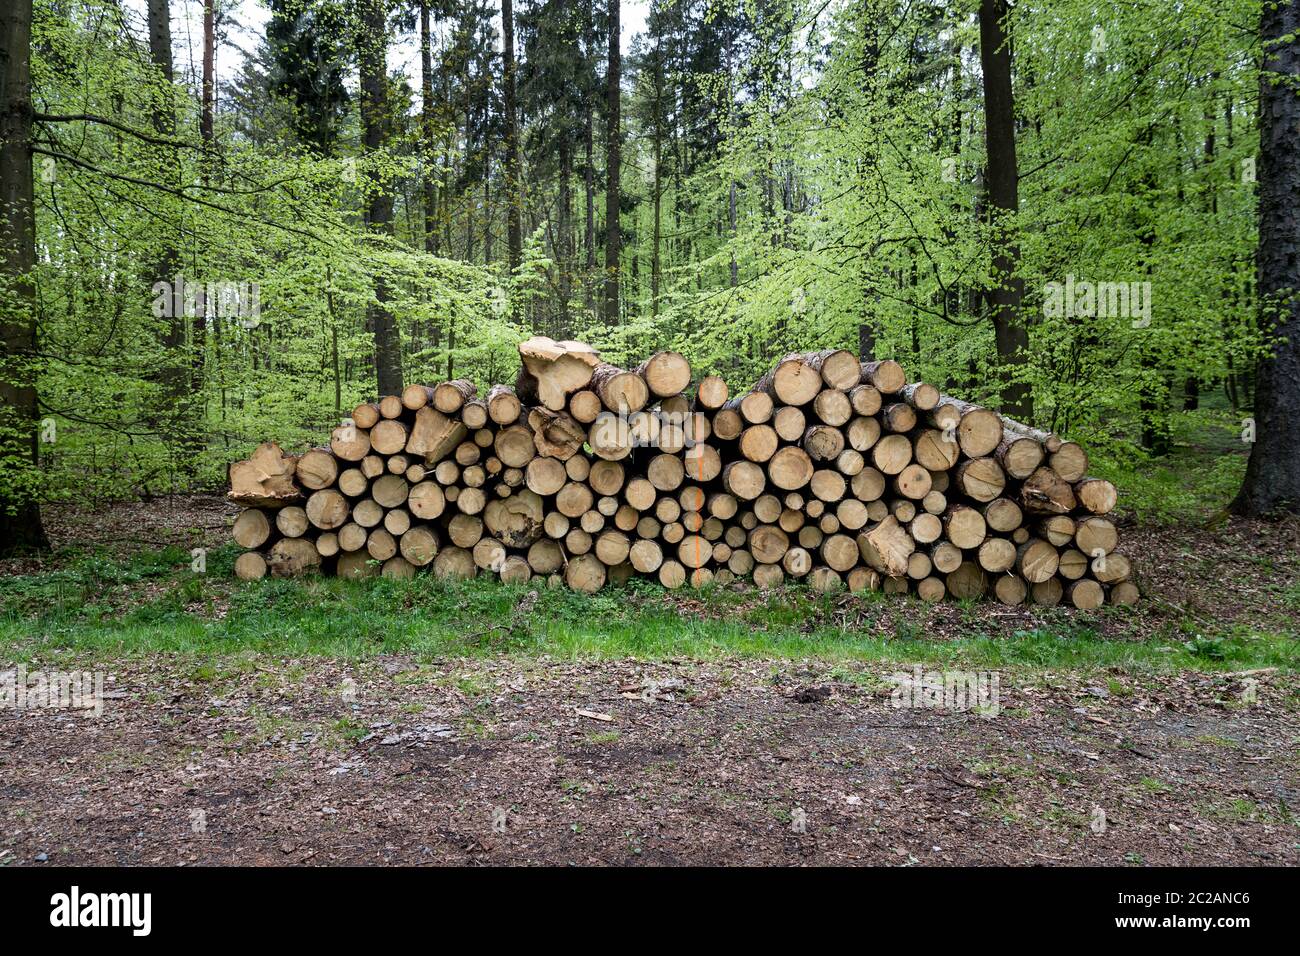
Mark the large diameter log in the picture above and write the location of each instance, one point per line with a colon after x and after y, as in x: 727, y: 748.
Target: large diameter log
x: 252, y: 529
x: 455, y: 562
x: 545, y: 476
x: 965, y: 527
x: 365, y: 415
x: 619, y: 390
x: 291, y: 521
x: 920, y: 396
x: 390, y: 491
x: 514, y: 446
x: 390, y: 406
x: 702, y: 462
x: 1085, y: 594
x: 746, y: 480
x: 1069, y: 461
x: 823, y: 442
x: 610, y: 437
x: 1095, y: 536
x: 1019, y: 454
x: 754, y: 407
x: 831, y: 406
x: 666, y: 374
x: 759, y: 443
x: 767, y: 543
x: 967, y: 582
x: 266, y: 479
x: 414, y: 397
x: 892, y: 454
x: 793, y: 381
x: 552, y: 370
x: 355, y: 564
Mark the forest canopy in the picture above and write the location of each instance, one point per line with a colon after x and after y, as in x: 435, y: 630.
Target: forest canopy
x: 1048, y: 206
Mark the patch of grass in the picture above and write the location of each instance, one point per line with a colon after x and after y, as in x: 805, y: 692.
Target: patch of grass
x: 607, y: 737
x: 431, y: 620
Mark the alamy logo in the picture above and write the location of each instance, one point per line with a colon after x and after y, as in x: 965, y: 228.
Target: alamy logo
x: 223, y: 299
x: 1088, y: 300
x: 52, y: 690
x: 979, y: 691
x: 74, y: 908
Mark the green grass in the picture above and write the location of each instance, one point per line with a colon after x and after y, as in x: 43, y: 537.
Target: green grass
x: 153, y: 604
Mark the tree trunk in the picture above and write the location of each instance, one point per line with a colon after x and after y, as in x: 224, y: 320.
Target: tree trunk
x: 1002, y: 178
x: 20, y: 514
x: 612, y: 163
x: 374, y: 109
x: 514, y: 232
x: 1272, y: 482
x: 429, y: 188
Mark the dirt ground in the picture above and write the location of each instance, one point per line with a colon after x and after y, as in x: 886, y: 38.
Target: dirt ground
x: 248, y: 761
x: 258, y: 759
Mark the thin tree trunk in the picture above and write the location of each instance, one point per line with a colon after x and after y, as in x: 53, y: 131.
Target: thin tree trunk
x: 1010, y: 332
x: 514, y: 232
x: 379, y: 218
x: 1272, y: 483
x: 20, y: 513
x: 428, y: 186
x: 612, y: 163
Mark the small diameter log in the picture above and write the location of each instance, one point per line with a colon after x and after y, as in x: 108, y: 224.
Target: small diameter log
x: 1019, y: 454
x: 606, y: 478
x: 702, y: 462
x: 980, y: 478
x: 1010, y: 589
x: 390, y: 491
x: 380, y: 544
x: 1095, y: 536
x: 746, y: 480
x: 665, y: 373
x: 913, y: 482
x: 317, y: 469
x: 965, y: 527
x: 759, y: 443
x: 1085, y: 594
x: 434, y: 435
x: 767, y: 543
x: 728, y: 423
x: 552, y: 371
x: 886, y: 375
x: 250, y: 566
x: 555, y: 434
x: 967, y: 582
x: 1057, y: 529
x: 455, y: 562
x: 267, y: 478
x: 585, y: 573
x: 355, y: 564
x: 610, y: 437
x: 831, y: 406
x: 365, y: 415
x: 390, y: 406
x: 865, y: 399
x: 503, y: 405
x: 426, y: 500
x: 793, y: 381
x: 353, y: 482
x: 584, y: 406
x: 920, y: 396
x: 898, y: 417
x: 514, y: 446
x: 892, y: 454
x: 1095, y: 494
x: 414, y: 397
x: 1124, y: 593
x: 823, y: 442
x: 252, y: 529
x: 419, y: 545
x: 996, y: 554
x: 1069, y: 461
x: 290, y: 557
x: 1037, y: 561
x: 292, y: 521
x: 1111, y: 568
x: 754, y: 407
x: 1044, y: 492
x: 545, y: 476
x: 619, y: 390
x: 711, y: 393
x: 327, y: 509
x: 1003, y: 515
x: 516, y: 521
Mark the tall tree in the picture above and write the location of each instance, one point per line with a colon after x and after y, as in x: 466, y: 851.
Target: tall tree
x: 1002, y: 180
x: 613, y: 160
x: 308, y: 43
x: 429, y: 185
x: 373, y: 35
x: 20, y: 514
x: 1272, y: 483
x: 514, y: 231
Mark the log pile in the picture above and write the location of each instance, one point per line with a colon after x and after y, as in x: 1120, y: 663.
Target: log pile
x: 830, y: 470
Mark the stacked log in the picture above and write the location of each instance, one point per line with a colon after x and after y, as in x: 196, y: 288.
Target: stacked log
x: 829, y: 470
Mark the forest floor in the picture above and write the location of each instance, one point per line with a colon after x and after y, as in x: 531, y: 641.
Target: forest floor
x: 327, y: 721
